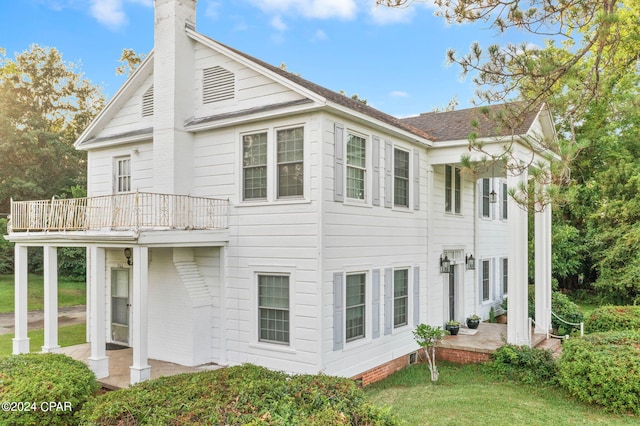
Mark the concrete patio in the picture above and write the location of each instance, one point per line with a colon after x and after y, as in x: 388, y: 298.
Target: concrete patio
x: 121, y: 359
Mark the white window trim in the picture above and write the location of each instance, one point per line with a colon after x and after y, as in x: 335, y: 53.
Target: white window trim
x: 482, y: 197
x: 368, y: 186
x: 504, y: 193
x: 395, y: 207
x: 452, y: 193
x: 409, y: 298
x: 368, y: 307
x: 502, y: 274
x: 272, y: 165
x: 115, y: 175
x: 489, y: 299
x: 254, y: 332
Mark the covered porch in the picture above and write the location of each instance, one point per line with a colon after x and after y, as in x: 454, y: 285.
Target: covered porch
x: 119, y: 251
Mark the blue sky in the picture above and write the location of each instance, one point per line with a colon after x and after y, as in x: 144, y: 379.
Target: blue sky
x: 393, y: 58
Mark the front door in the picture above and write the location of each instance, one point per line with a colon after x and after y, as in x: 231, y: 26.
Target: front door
x: 452, y: 293
x: 120, y: 306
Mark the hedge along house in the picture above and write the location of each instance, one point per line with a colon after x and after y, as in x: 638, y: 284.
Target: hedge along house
x: 239, y: 213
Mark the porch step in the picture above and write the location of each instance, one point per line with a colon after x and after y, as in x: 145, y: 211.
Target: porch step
x: 552, y: 344
x: 194, y: 283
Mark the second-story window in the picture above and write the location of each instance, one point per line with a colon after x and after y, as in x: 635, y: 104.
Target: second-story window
x: 356, y: 167
x: 504, y: 200
x: 400, y: 178
x: 254, y: 166
x: 452, y: 189
x: 122, y: 174
x: 290, y: 143
x: 486, y: 203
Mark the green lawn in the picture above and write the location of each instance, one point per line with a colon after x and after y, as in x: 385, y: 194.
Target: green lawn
x: 69, y: 293
x: 67, y: 336
x: 469, y: 395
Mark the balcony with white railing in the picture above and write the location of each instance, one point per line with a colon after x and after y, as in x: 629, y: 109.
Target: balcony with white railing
x: 127, y: 211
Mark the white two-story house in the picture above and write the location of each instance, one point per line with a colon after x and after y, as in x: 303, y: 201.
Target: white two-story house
x: 240, y: 213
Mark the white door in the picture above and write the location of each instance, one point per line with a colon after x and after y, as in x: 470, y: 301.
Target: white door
x: 120, y: 305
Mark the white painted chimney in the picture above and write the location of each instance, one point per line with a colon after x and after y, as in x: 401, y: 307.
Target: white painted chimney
x: 173, y: 79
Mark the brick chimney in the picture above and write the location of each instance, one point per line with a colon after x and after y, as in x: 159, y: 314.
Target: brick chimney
x: 173, y: 79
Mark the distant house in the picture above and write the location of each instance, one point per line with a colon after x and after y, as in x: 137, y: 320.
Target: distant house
x: 240, y: 213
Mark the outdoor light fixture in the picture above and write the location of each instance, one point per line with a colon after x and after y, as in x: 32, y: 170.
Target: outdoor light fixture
x: 127, y: 254
x: 470, y: 261
x: 493, y: 197
x: 445, y: 265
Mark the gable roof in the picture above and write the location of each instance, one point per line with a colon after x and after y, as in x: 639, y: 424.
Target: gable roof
x: 325, y: 93
x: 488, y: 121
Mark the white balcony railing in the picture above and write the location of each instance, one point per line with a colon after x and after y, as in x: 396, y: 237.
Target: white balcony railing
x: 136, y: 210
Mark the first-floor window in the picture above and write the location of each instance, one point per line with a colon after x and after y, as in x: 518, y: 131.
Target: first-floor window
x: 123, y: 174
x: 485, y: 280
x: 505, y: 276
x: 400, y: 178
x: 355, y: 306
x: 273, y: 308
x: 254, y: 166
x: 400, y: 297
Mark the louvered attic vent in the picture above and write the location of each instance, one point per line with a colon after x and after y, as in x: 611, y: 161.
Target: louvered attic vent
x: 218, y: 84
x: 147, y: 102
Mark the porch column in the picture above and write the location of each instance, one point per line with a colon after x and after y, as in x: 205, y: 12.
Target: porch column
x: 140, y: 370
x: 50, y: 300
x: 20, y: 341
x: 518, y: 332
x: 98, y: 361
x: 543, y: 269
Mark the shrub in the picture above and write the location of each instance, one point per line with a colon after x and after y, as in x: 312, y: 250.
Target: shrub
x: 610, y: 318
x: 563, y: 307
x: 39, y: 379
x: 603, y: 369
x: 524, y: 364
x: 237, y: 395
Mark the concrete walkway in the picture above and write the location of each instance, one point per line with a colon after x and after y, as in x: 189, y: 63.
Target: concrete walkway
x: 67, y: 315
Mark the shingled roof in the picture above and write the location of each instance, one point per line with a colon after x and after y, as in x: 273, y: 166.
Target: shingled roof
x: 487, y: 121
x: 332, y: 96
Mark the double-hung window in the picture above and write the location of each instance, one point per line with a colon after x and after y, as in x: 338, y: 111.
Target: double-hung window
x: 486, y: 190
x: 355, y: 306
x: 400, y: 297
x: 485, y: 280
x: 254, y: 166
x: 356, y: 167
x: 452, y: 189
x: 290, y: 159
x: 504, y: 200
x: 505, y: 275
x: 273, y: 308
x: 400, y: 178
x: 122, y: 174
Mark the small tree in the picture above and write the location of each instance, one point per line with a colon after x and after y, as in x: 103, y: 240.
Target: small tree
x: 427, y: 337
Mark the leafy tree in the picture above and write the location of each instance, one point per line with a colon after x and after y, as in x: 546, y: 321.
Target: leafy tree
x: 130, y: 61
x: 428, y: 337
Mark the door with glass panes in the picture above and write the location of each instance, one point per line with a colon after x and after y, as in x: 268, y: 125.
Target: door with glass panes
x: 120, y: 306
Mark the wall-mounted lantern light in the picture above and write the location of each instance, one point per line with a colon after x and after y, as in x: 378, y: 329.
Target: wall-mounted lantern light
x: 445, y: 265
x: 470, y: 261
x: 493, y: 197
x: 127, y: 254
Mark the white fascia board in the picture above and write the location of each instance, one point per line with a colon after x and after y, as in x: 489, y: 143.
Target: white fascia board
x: 73, y: 238
x: 254, y: 66
x: 144, y: 70
x: 370, y: 121
x: 144, y: 137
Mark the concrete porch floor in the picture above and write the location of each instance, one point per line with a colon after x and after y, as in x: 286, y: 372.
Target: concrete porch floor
x: 488, y: 339
x: 121, y: 359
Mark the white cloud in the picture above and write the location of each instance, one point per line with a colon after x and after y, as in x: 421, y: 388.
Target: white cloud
x: 319, y: 35
x: 212, y: 9
x: 111, y: 12
x: 399, y: 94
x: 320, y: 9
x: 276, y: 22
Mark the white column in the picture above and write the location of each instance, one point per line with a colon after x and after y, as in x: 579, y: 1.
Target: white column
x: 20, y: 341
x: 98, y: 361
x: 50, y: 300
x: 543, y: 269
x: 518, y: 332
x: 140, y: 370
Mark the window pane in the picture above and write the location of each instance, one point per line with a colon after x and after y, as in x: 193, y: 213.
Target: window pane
x: 505, y: 276
x: 355, y: 183
x: 401, y: 178
x: 458, y: 190
x: 290, y: 162
x: 254, y: 163
x: 123, y: 175
x: 400, y: 297
x: 356, y: 151
x: 273, y: 308
x: 504, y: 200
x: 356, y: 167
x: 485, y: 280
x: 355, y: 306
x: 485, y: 197
x: 447, y: 188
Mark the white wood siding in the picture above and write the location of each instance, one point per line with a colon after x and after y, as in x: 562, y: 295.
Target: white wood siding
x: 100, y: 168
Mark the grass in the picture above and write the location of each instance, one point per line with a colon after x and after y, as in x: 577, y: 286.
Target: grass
x: 69, y: 293
x: 67, y: 336
x: 470, y: 395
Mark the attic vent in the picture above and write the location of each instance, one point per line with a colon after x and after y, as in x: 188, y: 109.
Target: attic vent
x: 147, y: 102
x: 218, y: 84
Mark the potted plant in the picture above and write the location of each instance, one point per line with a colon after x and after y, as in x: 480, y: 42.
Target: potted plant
x: 453, y: 327
x: 473, y: 321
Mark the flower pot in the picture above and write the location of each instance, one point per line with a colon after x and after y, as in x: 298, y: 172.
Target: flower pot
x: 453, y: 329
x: 473, y: 323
